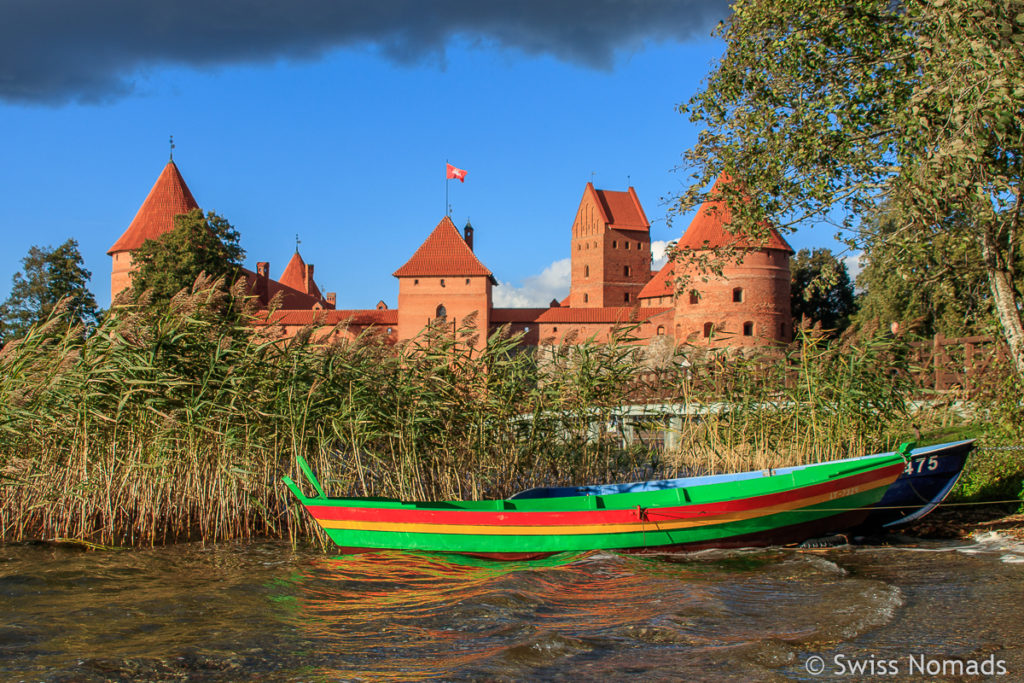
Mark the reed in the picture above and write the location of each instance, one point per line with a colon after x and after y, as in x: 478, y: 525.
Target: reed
x: 179, y: 423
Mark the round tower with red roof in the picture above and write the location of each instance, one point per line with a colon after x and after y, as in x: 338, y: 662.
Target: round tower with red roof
x: 749, y: 303
x: 168, y: 197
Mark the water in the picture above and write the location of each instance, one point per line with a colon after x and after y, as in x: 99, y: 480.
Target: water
x: 267, y: 612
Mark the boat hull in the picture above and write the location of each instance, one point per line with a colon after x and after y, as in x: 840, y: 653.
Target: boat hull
x: 766, y: 510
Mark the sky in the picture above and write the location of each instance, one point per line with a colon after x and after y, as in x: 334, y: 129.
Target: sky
x: 333, y: 120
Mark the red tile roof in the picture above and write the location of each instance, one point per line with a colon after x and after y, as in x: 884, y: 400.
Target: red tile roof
x: 515, y: 315
x: 662, y: 284
x: 370, y: 316
x: 444, y: 252
x: 294, y: 276
x: 291, y: 298
x: 621, y: 210
x: 169, y: 197
x: 609, y: 314
x: 708, y: 230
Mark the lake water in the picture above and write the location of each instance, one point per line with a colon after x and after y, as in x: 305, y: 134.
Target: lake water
x: 266, y: 611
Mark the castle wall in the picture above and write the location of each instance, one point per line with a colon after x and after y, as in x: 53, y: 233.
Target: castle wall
x: 760, y: 316
x: 420, y: 297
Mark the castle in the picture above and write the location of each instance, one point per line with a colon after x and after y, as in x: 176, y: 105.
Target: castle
x: 611, y: 280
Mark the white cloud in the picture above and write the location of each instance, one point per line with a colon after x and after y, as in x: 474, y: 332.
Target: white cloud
x: 854, y: 264
x: 537, y: 291
x: 658, y: 248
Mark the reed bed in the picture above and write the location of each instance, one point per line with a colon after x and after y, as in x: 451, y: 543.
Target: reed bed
x: 178, y: 424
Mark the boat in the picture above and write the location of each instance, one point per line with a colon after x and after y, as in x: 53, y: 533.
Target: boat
x: 928, y: 476
x: 751, y: 509
x: 926, y: 480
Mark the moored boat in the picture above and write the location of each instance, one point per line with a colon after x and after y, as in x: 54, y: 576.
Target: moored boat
x: 755, y: 510
x: 928, y: 476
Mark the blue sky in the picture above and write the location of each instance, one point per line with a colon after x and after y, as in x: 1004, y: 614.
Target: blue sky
x: 347, y: 147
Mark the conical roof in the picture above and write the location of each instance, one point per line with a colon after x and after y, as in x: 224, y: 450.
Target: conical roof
x: 294, y: 276
x: 444, y: 253
x: 169, y: 197
x: 709, y: 230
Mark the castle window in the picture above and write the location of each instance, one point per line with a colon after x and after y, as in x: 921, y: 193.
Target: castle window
x: 554, y: 329
x: 441, y: 311
x: 709, y: 329
x: 442, y: 282
x: 748, y: 329
x: 627, y: 245
x: 390, y: 330
x: 694, y: 298
x: 625, y: 270
x: 586, y: 271
x: 661, y: 330
x: 415, y: 282
x: 526, y: 329
x: 467, y: 280
x: 586, y: 297
x: 588, y: 245
x: 625, y: 297
x: 579, y: 247
x: 737, y: 295
x: 615, y: 244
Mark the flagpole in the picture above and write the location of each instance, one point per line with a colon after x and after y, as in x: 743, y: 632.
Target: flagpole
x: 445, y: 187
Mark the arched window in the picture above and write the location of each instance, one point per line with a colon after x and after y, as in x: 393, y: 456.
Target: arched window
x: 389, y: 330
x: 737, y: 295
x: 586, y: 297
x: 748, y: 329
x: 586, y: 271
x: 415, y: 282
x: 467, y: 280
x: 694, y: 298
x: 442, y: 282
x: 661, y: 330
x: 441, y: 311
x: 709, y: 329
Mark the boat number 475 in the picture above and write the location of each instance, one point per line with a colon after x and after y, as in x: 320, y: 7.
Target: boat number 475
x: 919, y: 465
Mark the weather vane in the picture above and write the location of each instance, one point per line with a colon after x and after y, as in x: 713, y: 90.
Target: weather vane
x: 297, y: 243
x: 172, y: 148
x: 627, y: 180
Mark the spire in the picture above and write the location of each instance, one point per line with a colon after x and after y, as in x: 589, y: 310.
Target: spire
x: 169, y: 197
x: 299, y: 275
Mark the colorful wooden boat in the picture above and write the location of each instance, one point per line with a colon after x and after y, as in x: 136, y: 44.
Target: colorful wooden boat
x: 926, y: 480
x: 929, y: 475
x: 760, y: 509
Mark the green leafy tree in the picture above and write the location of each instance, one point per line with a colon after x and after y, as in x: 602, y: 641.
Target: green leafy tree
x: 821, y: 289
x: 825, y: 108
x: 935, y: 286
x: 197, y: 244
x: 48, y: 276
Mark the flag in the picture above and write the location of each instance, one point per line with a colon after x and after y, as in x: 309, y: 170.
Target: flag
x: 457, y: 173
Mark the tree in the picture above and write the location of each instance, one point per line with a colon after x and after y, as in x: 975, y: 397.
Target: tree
x: 937, y: 287
x: 48, y: 276
x: 821, y: 290
x: 197, y: 244
x: 822, y: 108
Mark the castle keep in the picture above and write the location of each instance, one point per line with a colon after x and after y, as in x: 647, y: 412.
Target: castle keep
x: 611, y: 281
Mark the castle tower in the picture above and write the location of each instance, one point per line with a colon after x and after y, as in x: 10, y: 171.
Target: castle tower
x: 444, y: 279
x: 611, y: 249
x: 169, y: 197
x: 299, y: 275
x: 749, y: 305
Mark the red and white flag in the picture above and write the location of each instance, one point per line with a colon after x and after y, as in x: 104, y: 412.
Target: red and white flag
x: 456, y: 173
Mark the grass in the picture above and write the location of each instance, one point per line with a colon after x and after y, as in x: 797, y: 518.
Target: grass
x: 178, y: 424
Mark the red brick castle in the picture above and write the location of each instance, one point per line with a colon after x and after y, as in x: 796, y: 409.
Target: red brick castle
x: 611, y: 281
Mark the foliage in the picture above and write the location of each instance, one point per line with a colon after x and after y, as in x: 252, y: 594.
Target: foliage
x: 822, y: 108
x: 48, y: 277
x: 171, y: 263
x: 821, y: 289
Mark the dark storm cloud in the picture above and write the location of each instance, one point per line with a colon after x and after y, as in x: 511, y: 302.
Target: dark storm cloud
x: 55, y: 51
